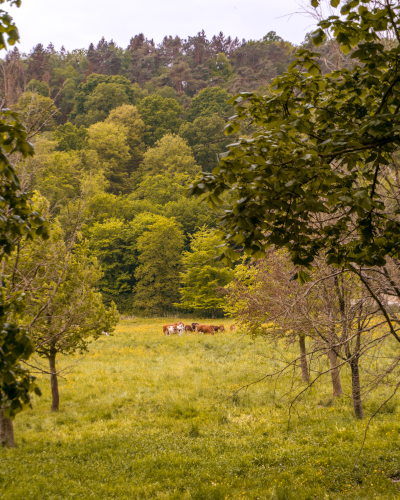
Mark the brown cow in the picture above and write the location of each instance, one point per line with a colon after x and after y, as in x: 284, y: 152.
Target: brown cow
x: 188, y: 328
x: 232, y: 327
x: 206, y: 329
x: 221, y: 328
x: 175, y: 325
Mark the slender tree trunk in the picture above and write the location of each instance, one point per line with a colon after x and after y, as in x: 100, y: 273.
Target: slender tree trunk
x: 55, y: 396
x: 335, y: 374
x: 212, y: 314
x: 6, y: 431
x: 356, y: 388
x: 305, y: 376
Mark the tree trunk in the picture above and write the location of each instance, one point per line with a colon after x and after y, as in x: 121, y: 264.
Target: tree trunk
x: 305, y: 376
x: 212, y: 314
x: 355, y: 388
x: 6, y: 431
x: 55, y: 396
x: 335, y: 374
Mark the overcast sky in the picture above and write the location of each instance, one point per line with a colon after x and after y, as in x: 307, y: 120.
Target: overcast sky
x: 76, y: 23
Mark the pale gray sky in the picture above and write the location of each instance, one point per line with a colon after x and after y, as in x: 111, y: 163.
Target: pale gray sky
x: 76, y: 23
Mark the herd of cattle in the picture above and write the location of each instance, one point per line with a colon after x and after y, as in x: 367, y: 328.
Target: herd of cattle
x: 179, y: 328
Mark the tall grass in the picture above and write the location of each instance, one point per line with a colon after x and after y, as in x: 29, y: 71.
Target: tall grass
x: 145, y: 416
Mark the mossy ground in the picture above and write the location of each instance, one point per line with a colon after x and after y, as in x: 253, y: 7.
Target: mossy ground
x: 145, y: 416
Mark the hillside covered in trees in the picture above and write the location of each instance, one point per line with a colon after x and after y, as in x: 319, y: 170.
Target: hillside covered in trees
x: 122, y: 133
x: 119, y: 134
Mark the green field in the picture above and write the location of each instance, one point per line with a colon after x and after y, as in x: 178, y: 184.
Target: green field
x: 145, y: 416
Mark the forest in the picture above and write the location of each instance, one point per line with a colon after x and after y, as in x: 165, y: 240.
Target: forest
x: 251, y: 184
x: 125, y: 131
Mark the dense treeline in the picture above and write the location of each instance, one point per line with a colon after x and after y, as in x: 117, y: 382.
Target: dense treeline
x: 123, y: 132
x: 128, y: 130
x: 176, y: 68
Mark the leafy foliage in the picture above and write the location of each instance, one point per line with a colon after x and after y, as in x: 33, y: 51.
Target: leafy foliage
x: 172, y: 155
x: 157, y: 275
x: 203, y: 277
x: 162, y: 116
x: 308, y: 180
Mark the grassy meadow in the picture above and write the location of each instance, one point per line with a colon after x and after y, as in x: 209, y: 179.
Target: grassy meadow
x: 144, y: 416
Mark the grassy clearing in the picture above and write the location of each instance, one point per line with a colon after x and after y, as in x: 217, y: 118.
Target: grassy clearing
x: 145, y: 416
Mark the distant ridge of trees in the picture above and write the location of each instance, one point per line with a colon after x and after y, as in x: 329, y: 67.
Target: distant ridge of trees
x: 175, y: 68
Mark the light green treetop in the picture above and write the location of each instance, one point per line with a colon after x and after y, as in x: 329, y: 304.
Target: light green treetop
x: 172, y: 155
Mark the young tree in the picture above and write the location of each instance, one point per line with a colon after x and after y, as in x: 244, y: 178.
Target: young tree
x: 34, y: 110
x: 65, y: 311
x: 160, y: 248
x: 203, y: 276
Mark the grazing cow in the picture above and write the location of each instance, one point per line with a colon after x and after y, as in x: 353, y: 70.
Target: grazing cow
x: 206, y: 329
x: 194, y: 326
x: 172, y: 329
x: 219, y: 328
x: 232, y: 327
x: 188, y: 328
x: 174, y: 325
x: 180, y: 328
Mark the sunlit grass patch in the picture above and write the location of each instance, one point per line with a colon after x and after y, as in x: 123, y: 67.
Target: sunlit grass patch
x: 146, y: 416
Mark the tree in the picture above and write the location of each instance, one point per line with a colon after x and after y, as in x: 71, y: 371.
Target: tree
x: 190, y: 214
x: 111, y: 144
x: 104, y: 98
x: 208, y: 102
x: 180, y: 75
x: 36, y: 111
x: 171, y: 155
x: 19, y: 222
x: 162, y: 116
x: 65, y: 288
x: 203, y: 276
x: 114, y: 243
x: 40, y: 88
x: 62, y: 176
x: 205, y: 135
x: 115, y: 91
x: 310, y: 180
x: 71, y: 138
x: 271, y: 36
x: 157, y: 275
x: 160, y: 189
x: 127, y: 116
x: 221, y: 67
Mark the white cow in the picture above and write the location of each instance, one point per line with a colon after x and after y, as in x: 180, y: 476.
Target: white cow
x: 171, y: 329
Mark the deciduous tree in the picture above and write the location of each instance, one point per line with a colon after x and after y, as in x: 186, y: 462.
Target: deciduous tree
x: 203, y: 277
x: 157, y: 275
x: 162, y: 116
x: 171, y: 155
